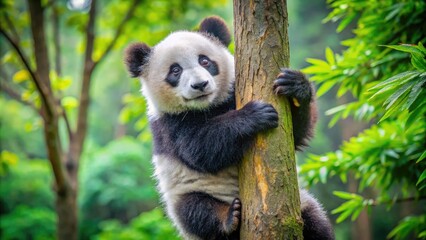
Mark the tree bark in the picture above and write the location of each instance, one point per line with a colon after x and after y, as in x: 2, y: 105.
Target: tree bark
x: 268, y: 180
x: 66, y: 196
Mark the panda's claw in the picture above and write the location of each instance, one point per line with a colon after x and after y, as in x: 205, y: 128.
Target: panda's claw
x: 293, y: 84
x: 234, y: 216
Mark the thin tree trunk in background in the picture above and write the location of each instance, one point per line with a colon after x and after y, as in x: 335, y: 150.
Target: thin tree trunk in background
x: 268, y: 180
x: 360, y: 228
x: 66, y: 203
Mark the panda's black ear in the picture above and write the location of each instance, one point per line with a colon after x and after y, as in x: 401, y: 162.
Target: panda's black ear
x: 216, y: 27
x: 136, y: 55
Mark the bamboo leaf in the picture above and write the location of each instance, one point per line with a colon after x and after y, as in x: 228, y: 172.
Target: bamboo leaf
x: 405, y: 48
x: 346, y: 21
x: 421, y: 178
x: 396, y: 96
x: 414, y: 94
x: 422, y: 157
x: 345, y: 195
x: 401, y: 78
x: 418, y: 61
x: 325, y: 87
x: 329, y: 55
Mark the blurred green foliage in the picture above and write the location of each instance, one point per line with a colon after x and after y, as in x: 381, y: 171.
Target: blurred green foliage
x: 147, y: 226
x: 115, y: 183
x: 387, y: 81
x: 24, y: 129
x: 26, y: 199
x: 28, y: 223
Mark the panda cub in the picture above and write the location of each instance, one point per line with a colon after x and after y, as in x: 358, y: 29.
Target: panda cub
x: 199, y: 136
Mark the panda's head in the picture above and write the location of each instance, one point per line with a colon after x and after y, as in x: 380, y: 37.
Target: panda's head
x: 185, y: 71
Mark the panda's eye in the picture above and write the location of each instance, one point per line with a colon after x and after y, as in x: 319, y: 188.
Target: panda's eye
x: 175, y: 70
x: 204, y: 61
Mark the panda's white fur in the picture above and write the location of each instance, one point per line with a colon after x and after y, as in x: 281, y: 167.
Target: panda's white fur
x: 175, y: 179
x: 170, y: 107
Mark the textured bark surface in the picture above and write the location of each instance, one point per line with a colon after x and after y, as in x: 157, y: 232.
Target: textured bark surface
x: 268, y: 180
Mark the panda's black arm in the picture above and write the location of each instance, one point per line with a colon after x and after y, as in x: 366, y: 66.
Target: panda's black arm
x: 304, y: 119
x: 220, y: 141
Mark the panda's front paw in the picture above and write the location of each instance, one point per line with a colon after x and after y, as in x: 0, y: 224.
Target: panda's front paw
x: 263, y: 114
x: 293, y: 84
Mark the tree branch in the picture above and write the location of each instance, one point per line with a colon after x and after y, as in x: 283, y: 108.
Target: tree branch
x: 375, y: 202
x: 16, y: 96
x: 51, y: 132
x: 67, y: 124
x: 12, y: 27
x: 120, y: 28
x: 56, y: 40
x: 77, y: 139
x: 42, y: 90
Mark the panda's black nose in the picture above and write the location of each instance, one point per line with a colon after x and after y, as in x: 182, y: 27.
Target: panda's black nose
x: 200, y: 86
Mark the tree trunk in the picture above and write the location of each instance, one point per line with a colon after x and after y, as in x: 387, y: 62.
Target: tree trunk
x: 361, y: 227
x: 66, y: 196
x: 268, y: 180
x: 66, y: 209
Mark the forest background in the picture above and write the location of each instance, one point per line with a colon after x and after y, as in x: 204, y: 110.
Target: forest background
x: 366, y: 163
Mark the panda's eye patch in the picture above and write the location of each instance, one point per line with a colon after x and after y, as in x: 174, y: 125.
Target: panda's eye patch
x: 204, y: 61
x: 174, y: 74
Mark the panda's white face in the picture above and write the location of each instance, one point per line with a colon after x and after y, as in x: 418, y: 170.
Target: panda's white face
x: 187, y: 71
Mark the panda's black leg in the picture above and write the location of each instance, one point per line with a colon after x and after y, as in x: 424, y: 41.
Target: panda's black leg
x: 208, y: 217
x: 316, y: 225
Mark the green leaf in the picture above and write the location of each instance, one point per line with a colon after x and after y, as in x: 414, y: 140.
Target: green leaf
x: 324, y: 88
x: 395, y: 80
x: 356, y: 213
x: 418, y: 61
x: 396, y: 96
x: 21, y: 76
x: 69, y: 102
x: 329, y: 55
x: 421, y: 178
x: 422, y: 157
x: 346, y: 195
x: 343, y: 216
x: 346, y: 21
x: 323, y: 174
x: 414, y: 94
x: 396, y: 104
x: 422, y: 48
x: 405, y: 48
x: 343, y: 177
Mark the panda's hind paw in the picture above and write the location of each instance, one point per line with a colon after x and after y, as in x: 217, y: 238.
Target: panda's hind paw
x: 232, y: 222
